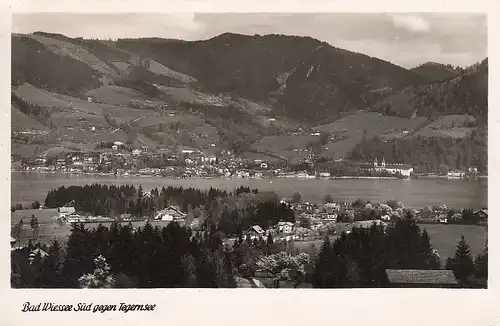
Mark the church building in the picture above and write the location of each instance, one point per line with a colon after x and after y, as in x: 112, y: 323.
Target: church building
x: 403, y: 169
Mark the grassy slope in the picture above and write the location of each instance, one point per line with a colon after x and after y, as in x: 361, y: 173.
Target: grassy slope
x: 117, y: 95
x: 38, y: 96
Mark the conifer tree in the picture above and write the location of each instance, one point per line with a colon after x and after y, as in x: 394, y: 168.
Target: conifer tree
x: 270, y: 240
x: 51, y: 277
x: 426, y: 256
x: 321, y: 272
x: 78, y: 256
x: 462, y: 263
x: 481, y: 264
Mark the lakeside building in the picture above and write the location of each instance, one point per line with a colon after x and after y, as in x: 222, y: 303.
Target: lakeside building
x: 455, y: 174
x: 403, y: 169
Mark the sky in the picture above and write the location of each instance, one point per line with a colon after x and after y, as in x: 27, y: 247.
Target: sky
x: 405, y: 39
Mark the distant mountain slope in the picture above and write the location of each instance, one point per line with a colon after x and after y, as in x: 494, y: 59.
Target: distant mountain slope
x: 465, y: 94
x: 73, y: 66
x: 118, y: 58
x: 434, y: 72
x: 78, y: 53
x: 332, y: 81
x: 303, y: 77
x: 32, y: 62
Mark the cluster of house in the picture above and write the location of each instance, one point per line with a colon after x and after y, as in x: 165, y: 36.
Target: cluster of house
x: 283, y: 231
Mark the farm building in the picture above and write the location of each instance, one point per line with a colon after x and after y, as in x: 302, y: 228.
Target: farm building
x: 170, y: 213
x: 254, y: 232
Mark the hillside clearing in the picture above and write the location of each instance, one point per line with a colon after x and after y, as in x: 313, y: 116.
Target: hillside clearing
x: 31, y: 94
x: 159, y: 69
x: 117, y: 95
x: 76, y: 52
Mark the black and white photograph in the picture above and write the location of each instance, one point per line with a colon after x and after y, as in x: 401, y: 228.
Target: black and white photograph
x: 249, y: 150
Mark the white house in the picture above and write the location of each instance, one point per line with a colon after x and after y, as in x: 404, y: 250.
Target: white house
x: 136, y: 152
x: 324, y: 174
x: 472, y: 169
x: 170, y: 213
x: 187, y: 151
x: 263, y: 165
x: 455, y: 174
x: 285, y: 227
x: 65, y: 211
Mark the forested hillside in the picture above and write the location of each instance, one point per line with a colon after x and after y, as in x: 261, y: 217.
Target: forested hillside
x: 300, y: 76
x: 465, y: 94
x: 435, y: 72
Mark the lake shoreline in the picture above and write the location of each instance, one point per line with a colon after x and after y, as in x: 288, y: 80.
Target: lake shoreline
x: 26, y: 187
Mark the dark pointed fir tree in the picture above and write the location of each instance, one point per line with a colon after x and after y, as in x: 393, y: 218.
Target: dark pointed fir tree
x: 52, y: 266
x: 426, y: 255
x: 462, y: 263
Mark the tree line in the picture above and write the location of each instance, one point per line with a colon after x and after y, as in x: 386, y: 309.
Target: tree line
x: 111, y: 200
x: 40, y: 113
x: 231, y: 213
x: 360, y: 258
x: 148, y: 257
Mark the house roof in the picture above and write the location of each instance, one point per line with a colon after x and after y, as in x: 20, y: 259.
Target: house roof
x: 418, y: 276
x: 256, y: 228
x: 38, y: 251
x: 171, y: 208
x: 484, y: 211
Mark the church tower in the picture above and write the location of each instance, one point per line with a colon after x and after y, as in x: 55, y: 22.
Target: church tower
x: 383, y: 162
x: 375, y: 163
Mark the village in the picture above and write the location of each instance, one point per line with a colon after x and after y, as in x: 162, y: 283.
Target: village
x: 117, y: 158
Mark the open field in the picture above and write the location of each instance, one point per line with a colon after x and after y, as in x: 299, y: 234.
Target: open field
x: 373, y: 122
x: 123, y: 112
x: 159, y: 69
x: 67, y: 119
x: 284, y: 145
x: 117, y: 95
x: 181, y: 94
x: 34, y: 95
x: 448, y: 126
x: 27, y: 150
x: 189, y: 121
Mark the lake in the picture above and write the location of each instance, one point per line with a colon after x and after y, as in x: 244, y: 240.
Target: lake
x: 27, y: 187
